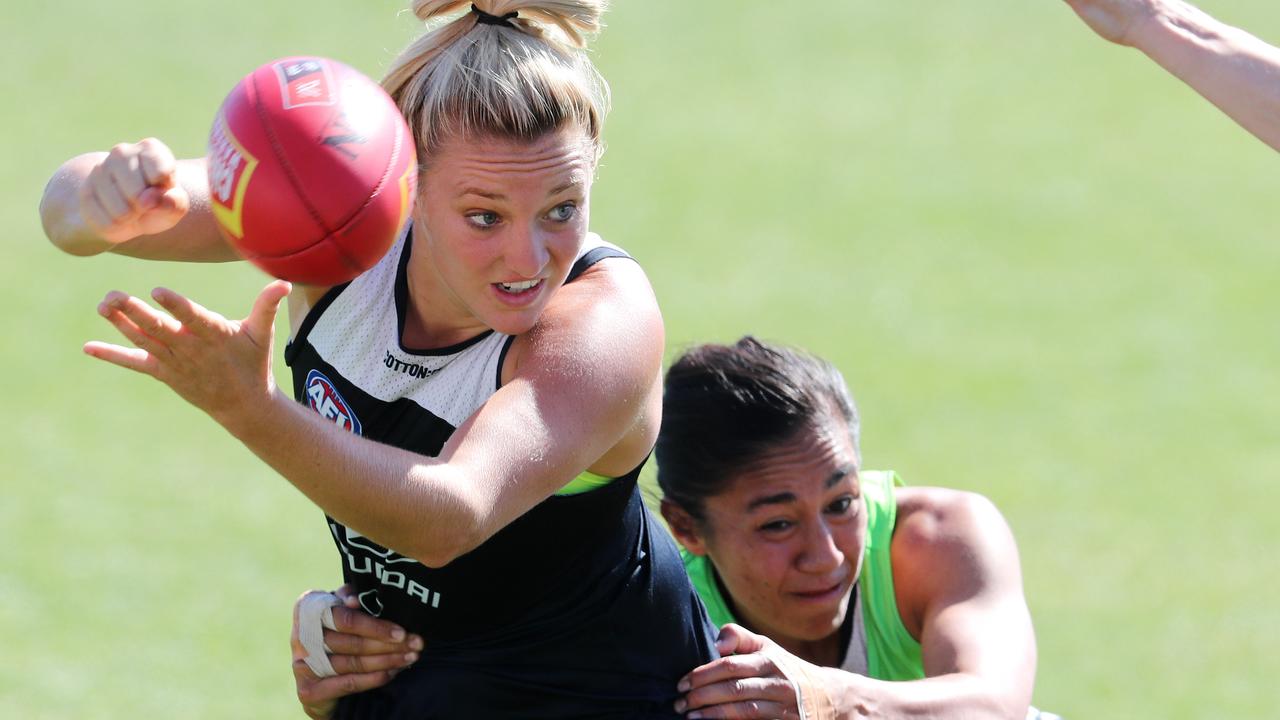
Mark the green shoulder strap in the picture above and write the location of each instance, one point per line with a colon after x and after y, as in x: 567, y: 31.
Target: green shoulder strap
x: 892, y: 654
x: 703, y: 576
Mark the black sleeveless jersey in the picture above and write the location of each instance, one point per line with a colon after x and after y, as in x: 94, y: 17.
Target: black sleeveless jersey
x: 579, y: 608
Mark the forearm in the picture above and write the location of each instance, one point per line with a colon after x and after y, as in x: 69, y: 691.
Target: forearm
x: 1234, y: 70
x: 196, y: 237
x: 957, y: 695
x: 401, y: 500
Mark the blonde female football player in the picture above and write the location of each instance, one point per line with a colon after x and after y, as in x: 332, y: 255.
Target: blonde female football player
x: 486, y: 500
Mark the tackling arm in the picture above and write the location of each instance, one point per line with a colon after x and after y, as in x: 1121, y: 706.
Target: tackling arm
x: 957, y: 574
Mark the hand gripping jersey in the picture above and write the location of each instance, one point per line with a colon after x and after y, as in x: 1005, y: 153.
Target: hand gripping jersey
x: 579, y: 608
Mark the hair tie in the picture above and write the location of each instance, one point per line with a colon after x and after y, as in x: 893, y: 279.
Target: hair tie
x: 484, y: 18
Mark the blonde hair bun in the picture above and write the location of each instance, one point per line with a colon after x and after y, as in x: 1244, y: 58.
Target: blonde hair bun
x: 566, y: 22
x: 514, y: 80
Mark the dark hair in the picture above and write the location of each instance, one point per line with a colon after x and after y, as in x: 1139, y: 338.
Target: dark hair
x: 725, y: 407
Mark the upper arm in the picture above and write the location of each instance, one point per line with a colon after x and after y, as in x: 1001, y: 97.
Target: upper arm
x: 958, y: 576
x: 581, y: 392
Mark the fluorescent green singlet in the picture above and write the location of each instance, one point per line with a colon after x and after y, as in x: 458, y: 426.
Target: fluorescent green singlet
x: 892, y: 654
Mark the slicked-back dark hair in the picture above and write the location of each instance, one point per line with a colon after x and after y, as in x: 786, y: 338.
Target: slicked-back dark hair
x: 724, y: 407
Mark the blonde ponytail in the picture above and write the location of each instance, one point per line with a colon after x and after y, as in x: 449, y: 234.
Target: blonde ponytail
x: 514, y: 80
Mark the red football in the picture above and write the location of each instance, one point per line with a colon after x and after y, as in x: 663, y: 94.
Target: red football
x: 312, y: 170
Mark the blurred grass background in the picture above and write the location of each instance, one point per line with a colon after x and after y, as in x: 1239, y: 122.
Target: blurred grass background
x: 1046, y: 268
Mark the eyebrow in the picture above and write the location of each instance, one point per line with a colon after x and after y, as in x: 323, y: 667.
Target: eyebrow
x: 483, y: 194
x: 787, y: 497
x: 572, y: 184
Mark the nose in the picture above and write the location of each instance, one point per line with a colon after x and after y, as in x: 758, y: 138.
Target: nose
x: 526, y: 252
x: 821, y: 555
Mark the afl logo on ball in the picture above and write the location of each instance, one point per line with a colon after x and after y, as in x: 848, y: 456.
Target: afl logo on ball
x: 324, y: 398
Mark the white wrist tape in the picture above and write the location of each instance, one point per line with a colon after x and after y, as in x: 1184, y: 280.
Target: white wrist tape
x: 315, y: 613
x: 812, y: 699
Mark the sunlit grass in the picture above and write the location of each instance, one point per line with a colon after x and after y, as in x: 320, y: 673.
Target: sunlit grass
x: 1046, y: 269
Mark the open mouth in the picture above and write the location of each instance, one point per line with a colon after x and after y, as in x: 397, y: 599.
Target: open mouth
x: 518, y: 287
x: 823, y: 594
x: 520, y: 292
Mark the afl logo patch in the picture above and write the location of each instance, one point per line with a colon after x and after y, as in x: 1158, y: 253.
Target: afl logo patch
x: 325, y: 399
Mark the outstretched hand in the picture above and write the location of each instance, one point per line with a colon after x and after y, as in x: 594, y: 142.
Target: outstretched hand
x: 1115, y: 20
x: 221, y: 366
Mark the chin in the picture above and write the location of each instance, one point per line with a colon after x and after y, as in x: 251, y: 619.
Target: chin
x: 517, y: 325
x: 812, y: 631
x: 819, y: 626
x: 824, y: 627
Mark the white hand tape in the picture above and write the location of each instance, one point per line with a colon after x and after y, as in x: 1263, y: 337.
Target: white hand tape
x: 315, y: 613
x: 812, y: 700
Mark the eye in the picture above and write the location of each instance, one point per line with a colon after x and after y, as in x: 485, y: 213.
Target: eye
x: 775, y: 527
x: 563, y: 212
x: 841, y: 506
x: 483, y: 219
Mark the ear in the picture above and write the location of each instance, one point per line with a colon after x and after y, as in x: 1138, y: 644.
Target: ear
x: 683, y: 527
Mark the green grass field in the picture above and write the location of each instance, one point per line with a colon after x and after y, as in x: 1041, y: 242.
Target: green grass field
x: 1046, y: 268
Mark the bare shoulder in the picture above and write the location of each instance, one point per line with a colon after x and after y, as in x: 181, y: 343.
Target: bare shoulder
x: 596, y: 355
x: 607, y: 313
x: 933, y: 519
x: 949, y: 546
x: 615, y: 285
